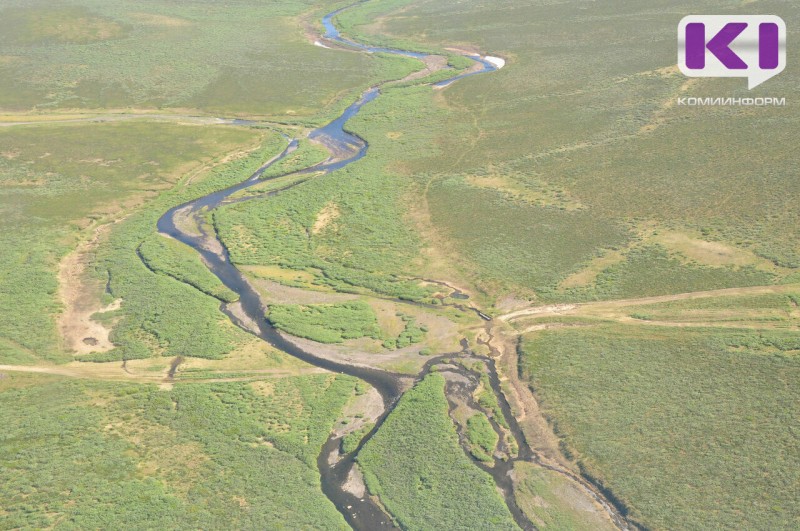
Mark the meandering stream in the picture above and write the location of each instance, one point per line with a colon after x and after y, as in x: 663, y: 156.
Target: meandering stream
x: 185, y: 223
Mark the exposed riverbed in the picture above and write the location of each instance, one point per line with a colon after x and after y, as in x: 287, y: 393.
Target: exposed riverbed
x: 340, y: 481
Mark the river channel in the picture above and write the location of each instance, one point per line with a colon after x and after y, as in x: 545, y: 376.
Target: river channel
x: 185, y: 223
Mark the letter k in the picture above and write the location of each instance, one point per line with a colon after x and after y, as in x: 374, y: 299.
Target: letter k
x: 719, y: 45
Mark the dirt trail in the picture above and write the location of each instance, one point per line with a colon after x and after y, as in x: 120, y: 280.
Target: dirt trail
x: 117, y: 117
x: 40, y: 370
x: 577, y: 309
x: 117, y: 372
x: 86, y: 370
x: 728, y: 292
x: 555, y: 309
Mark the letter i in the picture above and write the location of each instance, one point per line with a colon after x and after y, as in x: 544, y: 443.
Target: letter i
x: 768, y: 46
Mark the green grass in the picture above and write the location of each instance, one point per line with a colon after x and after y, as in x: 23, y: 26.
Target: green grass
x: 541, y: 495
x: 481, y: 436
x: 336, y: 323
x: 246, y: 58
x: 181, y: 262
x: 351, y: 441
x: 326, y: 323
x: 81, y: 454
x: 270, y: 185
x: 307, y: 154
x: 416, y: 466
x: 577, y: 120
x: 772, y: 307
x: 159, y: 316
x: 66, y: 25
x: 412, y: 333
x: 651, y: 271
x: 368, y: 247
x: 687, y: 428
x: 555, y: 240
x: 488, y: 400
x: 57, y: 180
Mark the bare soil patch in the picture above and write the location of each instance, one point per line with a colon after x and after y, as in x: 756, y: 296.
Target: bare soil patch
x: 553, y: 309
x: 361, y: 411
x: 587, y: 275
x: 709, y: 253
x: 81, y: 298
x: 433, y: 63
x: 325, y: 217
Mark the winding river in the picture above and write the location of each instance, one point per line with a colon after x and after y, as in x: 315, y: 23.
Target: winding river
x: 185, y: 223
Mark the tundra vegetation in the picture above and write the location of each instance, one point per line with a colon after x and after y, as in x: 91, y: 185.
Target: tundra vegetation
x: 367, y: 246
x: 60, y: 184
x: 416, y: 466
x: 86, y: 454
x: 306, y: 155
x: 329, y: 323
x: 585, y: 146
x: 336, y: 323
x: 481, y: 436
x: 685, y: 427
x: 247, y: 58
x: 572, y: 175
x: 179, y: 261
x: 161, y: 314
x: 569, y: 176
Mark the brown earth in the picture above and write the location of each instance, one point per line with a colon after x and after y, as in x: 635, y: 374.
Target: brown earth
x: 81, y: 298
x: 326, y: 216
